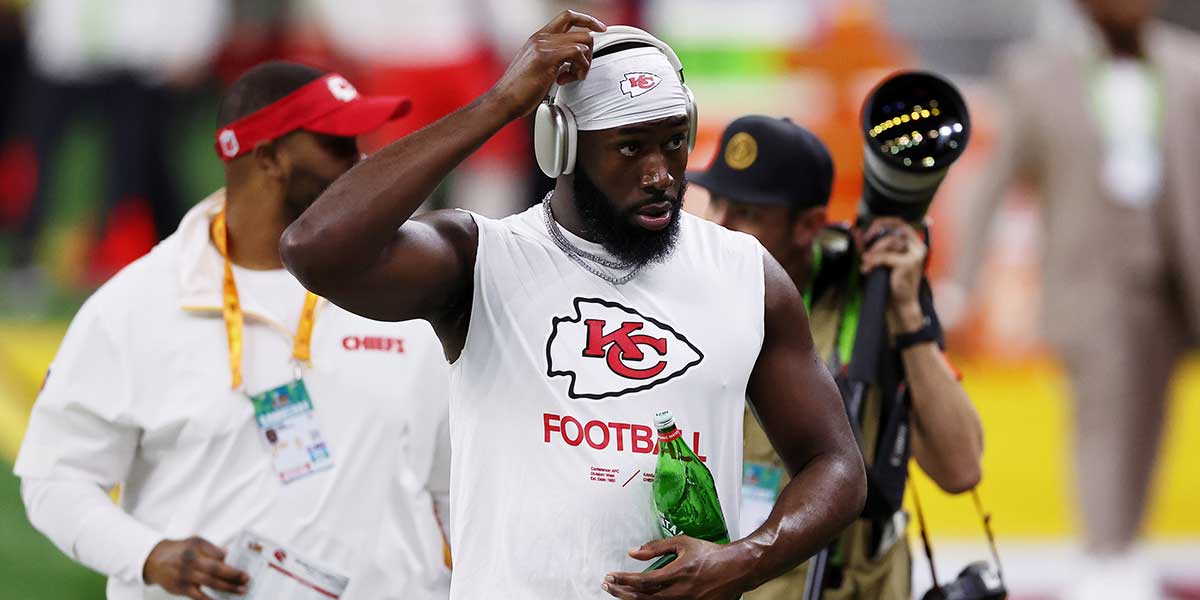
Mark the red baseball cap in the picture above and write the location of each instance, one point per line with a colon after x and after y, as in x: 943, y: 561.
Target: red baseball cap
x: 328, y: 105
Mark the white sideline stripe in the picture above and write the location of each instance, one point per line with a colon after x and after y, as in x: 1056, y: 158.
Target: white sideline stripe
x: 1043, y: 568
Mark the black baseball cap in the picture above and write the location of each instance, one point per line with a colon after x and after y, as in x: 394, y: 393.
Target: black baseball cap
x: 769, y: 161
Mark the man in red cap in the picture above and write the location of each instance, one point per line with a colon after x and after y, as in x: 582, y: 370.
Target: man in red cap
x: 265, y: 441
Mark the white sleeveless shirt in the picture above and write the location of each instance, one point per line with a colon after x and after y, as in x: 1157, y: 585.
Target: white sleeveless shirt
x: 553, y: 397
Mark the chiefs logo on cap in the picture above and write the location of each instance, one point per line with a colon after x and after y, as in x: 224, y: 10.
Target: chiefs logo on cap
x: 607, y: 349
x: 636, y: 84
x: 341, y: 89
x: 229, y: 143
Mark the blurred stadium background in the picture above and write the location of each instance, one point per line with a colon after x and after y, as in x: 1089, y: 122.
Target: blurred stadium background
x: 812, y: 60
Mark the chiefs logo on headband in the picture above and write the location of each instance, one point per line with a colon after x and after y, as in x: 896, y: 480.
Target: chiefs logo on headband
x: 636, y: 84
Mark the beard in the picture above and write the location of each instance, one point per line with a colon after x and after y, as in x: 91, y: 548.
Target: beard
x: 302, y: 191
x: 336, y: 155
x: 616, y: 231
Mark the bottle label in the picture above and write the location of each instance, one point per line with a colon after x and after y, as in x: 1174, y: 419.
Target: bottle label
x: 667, y: 437
x: 668, y: 528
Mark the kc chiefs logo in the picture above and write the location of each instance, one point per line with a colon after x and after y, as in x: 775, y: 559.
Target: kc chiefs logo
x: 341, y: 89
x: 607, y: 349
x: 636, y: 84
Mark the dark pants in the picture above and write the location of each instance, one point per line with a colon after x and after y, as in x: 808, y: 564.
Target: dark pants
x: 135, y: 118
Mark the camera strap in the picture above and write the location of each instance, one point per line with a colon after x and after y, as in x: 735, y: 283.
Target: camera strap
x: 984, y: 517
x: 887, y: 471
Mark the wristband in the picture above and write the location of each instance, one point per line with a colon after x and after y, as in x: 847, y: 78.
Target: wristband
x: 927, y: 333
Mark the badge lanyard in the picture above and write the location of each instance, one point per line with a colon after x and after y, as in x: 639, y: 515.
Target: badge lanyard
x: 847, y: 327
x: 231, y: 310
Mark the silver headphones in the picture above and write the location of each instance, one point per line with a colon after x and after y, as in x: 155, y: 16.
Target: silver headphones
x: 554, y: 130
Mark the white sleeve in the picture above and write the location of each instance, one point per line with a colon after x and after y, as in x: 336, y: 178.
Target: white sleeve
x: 80, y: 443
x: 85, y: 524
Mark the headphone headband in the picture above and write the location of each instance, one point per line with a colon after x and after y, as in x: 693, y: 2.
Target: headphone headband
x: 620, y: 34
x: 554, y: 132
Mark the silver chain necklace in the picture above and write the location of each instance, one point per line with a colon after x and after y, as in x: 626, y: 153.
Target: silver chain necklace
x: 582, y: 257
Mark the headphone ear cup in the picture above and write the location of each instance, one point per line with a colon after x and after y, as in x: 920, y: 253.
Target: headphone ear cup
x: 693, y: 117
x: 546, y: 143
x: 570, y: 139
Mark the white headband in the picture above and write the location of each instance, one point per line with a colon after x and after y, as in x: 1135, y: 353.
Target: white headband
x: 623, y: 88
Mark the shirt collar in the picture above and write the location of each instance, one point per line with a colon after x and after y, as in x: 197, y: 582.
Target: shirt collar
x: 201, y: 267
x: 1090, y: 44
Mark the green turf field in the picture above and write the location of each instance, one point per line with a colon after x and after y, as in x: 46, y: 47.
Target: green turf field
x: 31, y: 568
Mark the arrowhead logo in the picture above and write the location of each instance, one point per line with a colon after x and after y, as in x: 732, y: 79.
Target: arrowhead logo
x: 229, y: 143
x: 341, y: 89
x: 607, y: 349
x: 636, y: 84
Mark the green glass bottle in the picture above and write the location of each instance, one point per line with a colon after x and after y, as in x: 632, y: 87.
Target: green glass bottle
x: 685, y: 495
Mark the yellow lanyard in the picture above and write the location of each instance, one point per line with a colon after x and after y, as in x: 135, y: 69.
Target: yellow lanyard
x: 231, y: 310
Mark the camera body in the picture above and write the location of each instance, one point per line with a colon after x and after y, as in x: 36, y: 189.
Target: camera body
x: 978, y: 581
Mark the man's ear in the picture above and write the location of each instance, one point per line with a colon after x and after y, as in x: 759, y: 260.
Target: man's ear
x: 271, y: 160
x: 807, y: 225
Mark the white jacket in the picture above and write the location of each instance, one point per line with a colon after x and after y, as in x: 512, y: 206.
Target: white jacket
x: 139, y: 395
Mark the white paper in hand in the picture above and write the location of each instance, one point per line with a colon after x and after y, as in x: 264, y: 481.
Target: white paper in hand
x: 276, y: 572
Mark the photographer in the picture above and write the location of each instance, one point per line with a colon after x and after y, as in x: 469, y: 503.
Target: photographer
x: 772, y: 179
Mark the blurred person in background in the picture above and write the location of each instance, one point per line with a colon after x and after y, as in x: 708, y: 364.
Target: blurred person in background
x: 258, y: 32
x: 442, y: 54
x: 122, y: 61
x: 1104, y: 130
x: 772, y: 179
x: 171, y: 380
x: 12, y: 53
x: 16, y: 154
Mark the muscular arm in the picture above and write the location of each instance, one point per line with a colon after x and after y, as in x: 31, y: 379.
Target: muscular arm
x: 802, y: 414
x: 947, y: 435
x: 357, y: 244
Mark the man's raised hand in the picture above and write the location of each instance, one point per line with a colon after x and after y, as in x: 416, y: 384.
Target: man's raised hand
x: 554, y: 54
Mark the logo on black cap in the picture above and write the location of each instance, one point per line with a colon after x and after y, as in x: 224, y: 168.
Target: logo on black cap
x: 741, y: 151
